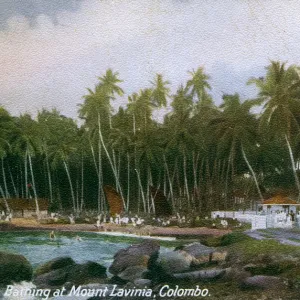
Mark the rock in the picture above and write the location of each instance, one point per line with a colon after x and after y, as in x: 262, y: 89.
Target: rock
x: 132, y: 273
x: 135, y: 255
x: 197, y: 250
x: 173, y: 262
x: 236, y: 274
x: 142, y: 283
x: 262, y: 282
x: 147, y: 247
x: 74, y: 274
x: 14, y: 268
x: 209, y: 274
x: 86, y: 273
x: 54, y: 264
x: 202, y: 254
x: 122, y: 263
x: 53, y: 278
x: 219, y: 256
x: 272, y: 269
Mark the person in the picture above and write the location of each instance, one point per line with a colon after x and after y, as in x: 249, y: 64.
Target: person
x: 292, y: 216
x: 52, y: 235
x: 78, y: 238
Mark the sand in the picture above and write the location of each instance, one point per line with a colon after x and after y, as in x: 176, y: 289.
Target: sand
x: 173, y: 231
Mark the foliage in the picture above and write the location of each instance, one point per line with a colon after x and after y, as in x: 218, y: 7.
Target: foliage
x: 201, y: 156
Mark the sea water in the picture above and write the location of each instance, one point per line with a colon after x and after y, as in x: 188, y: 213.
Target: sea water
x: 38, y: 248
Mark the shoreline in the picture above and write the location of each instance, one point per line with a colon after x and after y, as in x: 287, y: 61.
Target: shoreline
x: 21, y: 224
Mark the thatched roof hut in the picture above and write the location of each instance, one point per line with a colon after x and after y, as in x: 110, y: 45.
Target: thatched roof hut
x: 24, y: 207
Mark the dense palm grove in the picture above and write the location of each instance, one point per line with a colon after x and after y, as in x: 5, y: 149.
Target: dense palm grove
x: 202, y: 156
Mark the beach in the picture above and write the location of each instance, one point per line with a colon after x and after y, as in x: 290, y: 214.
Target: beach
x: 146, y: 230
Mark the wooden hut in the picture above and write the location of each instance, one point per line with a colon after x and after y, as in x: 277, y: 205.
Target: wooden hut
x: 25, y: 208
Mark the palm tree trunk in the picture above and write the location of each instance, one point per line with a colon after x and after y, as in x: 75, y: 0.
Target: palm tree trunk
x: 77, y: 195
x: 195, y: 167
x: 21, y: 179
x: 33, y: 186
x: 26, y: 175
x: 111, y: 163
x: 128, y: 180
x: 293, y: 166
x: 169, y: 180
x: 4, y: 179
x: 4, y: 198
x: 82, y: 184
x: 70, y: 183
x: 99, y: 173
x: 94, y: 158
x: 49, y: 178
x: 150, y: 183
x: 13, y: 183
x: 253, y: 174
x: 141, y: 189
x: 185, y: 179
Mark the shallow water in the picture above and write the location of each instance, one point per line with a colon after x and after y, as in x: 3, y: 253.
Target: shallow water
x: 38, y: 248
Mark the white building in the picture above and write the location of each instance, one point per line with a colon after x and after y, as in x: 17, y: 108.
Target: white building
x: 276, y: 212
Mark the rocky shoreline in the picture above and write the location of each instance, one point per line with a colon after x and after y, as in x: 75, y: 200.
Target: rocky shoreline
x: 139, y: 272
x: 218, y: 264
x: 143, y: 271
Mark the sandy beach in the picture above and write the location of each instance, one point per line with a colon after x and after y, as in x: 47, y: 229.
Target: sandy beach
x: 174, y: 231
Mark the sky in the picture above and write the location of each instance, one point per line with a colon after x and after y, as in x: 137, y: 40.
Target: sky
x: 52, y: 51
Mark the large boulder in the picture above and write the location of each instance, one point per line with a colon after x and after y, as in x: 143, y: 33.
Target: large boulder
x: 134, y: 255
x: 14, y: 268
x: 173, y: 262
x: 56, y: 263
x: 75, y: 274
x: 203, y: 275
x: 200, y: 253
x: 263, y: 282
x: 133, y: 273
x: 197, y: 249
x: 87, y: 273
x: 54, y: 278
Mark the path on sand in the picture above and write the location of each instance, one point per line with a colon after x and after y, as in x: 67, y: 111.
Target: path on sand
x: 284, y: 236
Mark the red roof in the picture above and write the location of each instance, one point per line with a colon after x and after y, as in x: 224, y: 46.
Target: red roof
x: 280, y: 200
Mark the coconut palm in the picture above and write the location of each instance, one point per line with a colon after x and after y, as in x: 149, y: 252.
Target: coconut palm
x: 28, y: 144
x: 236, y: 131
x: 62, y: 147
x: 96, y: 111
x: 198, y: 87
x: 279, y: 91
x: 160, y: 91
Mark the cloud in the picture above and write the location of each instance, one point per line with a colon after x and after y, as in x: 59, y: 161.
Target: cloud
x: 32, y: 9
x: 51, y: 63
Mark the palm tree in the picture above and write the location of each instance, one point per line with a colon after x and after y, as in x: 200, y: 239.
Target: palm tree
x: 235, y: 130
x: 7, y: 131
x: 279, y: 91
x: 62, y: 147
x: 28, y: 144
x: 160, y: 91
x: 109, y: 82
x: 96, y: 111
x: 197, y: 86
x: 177, y: 124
